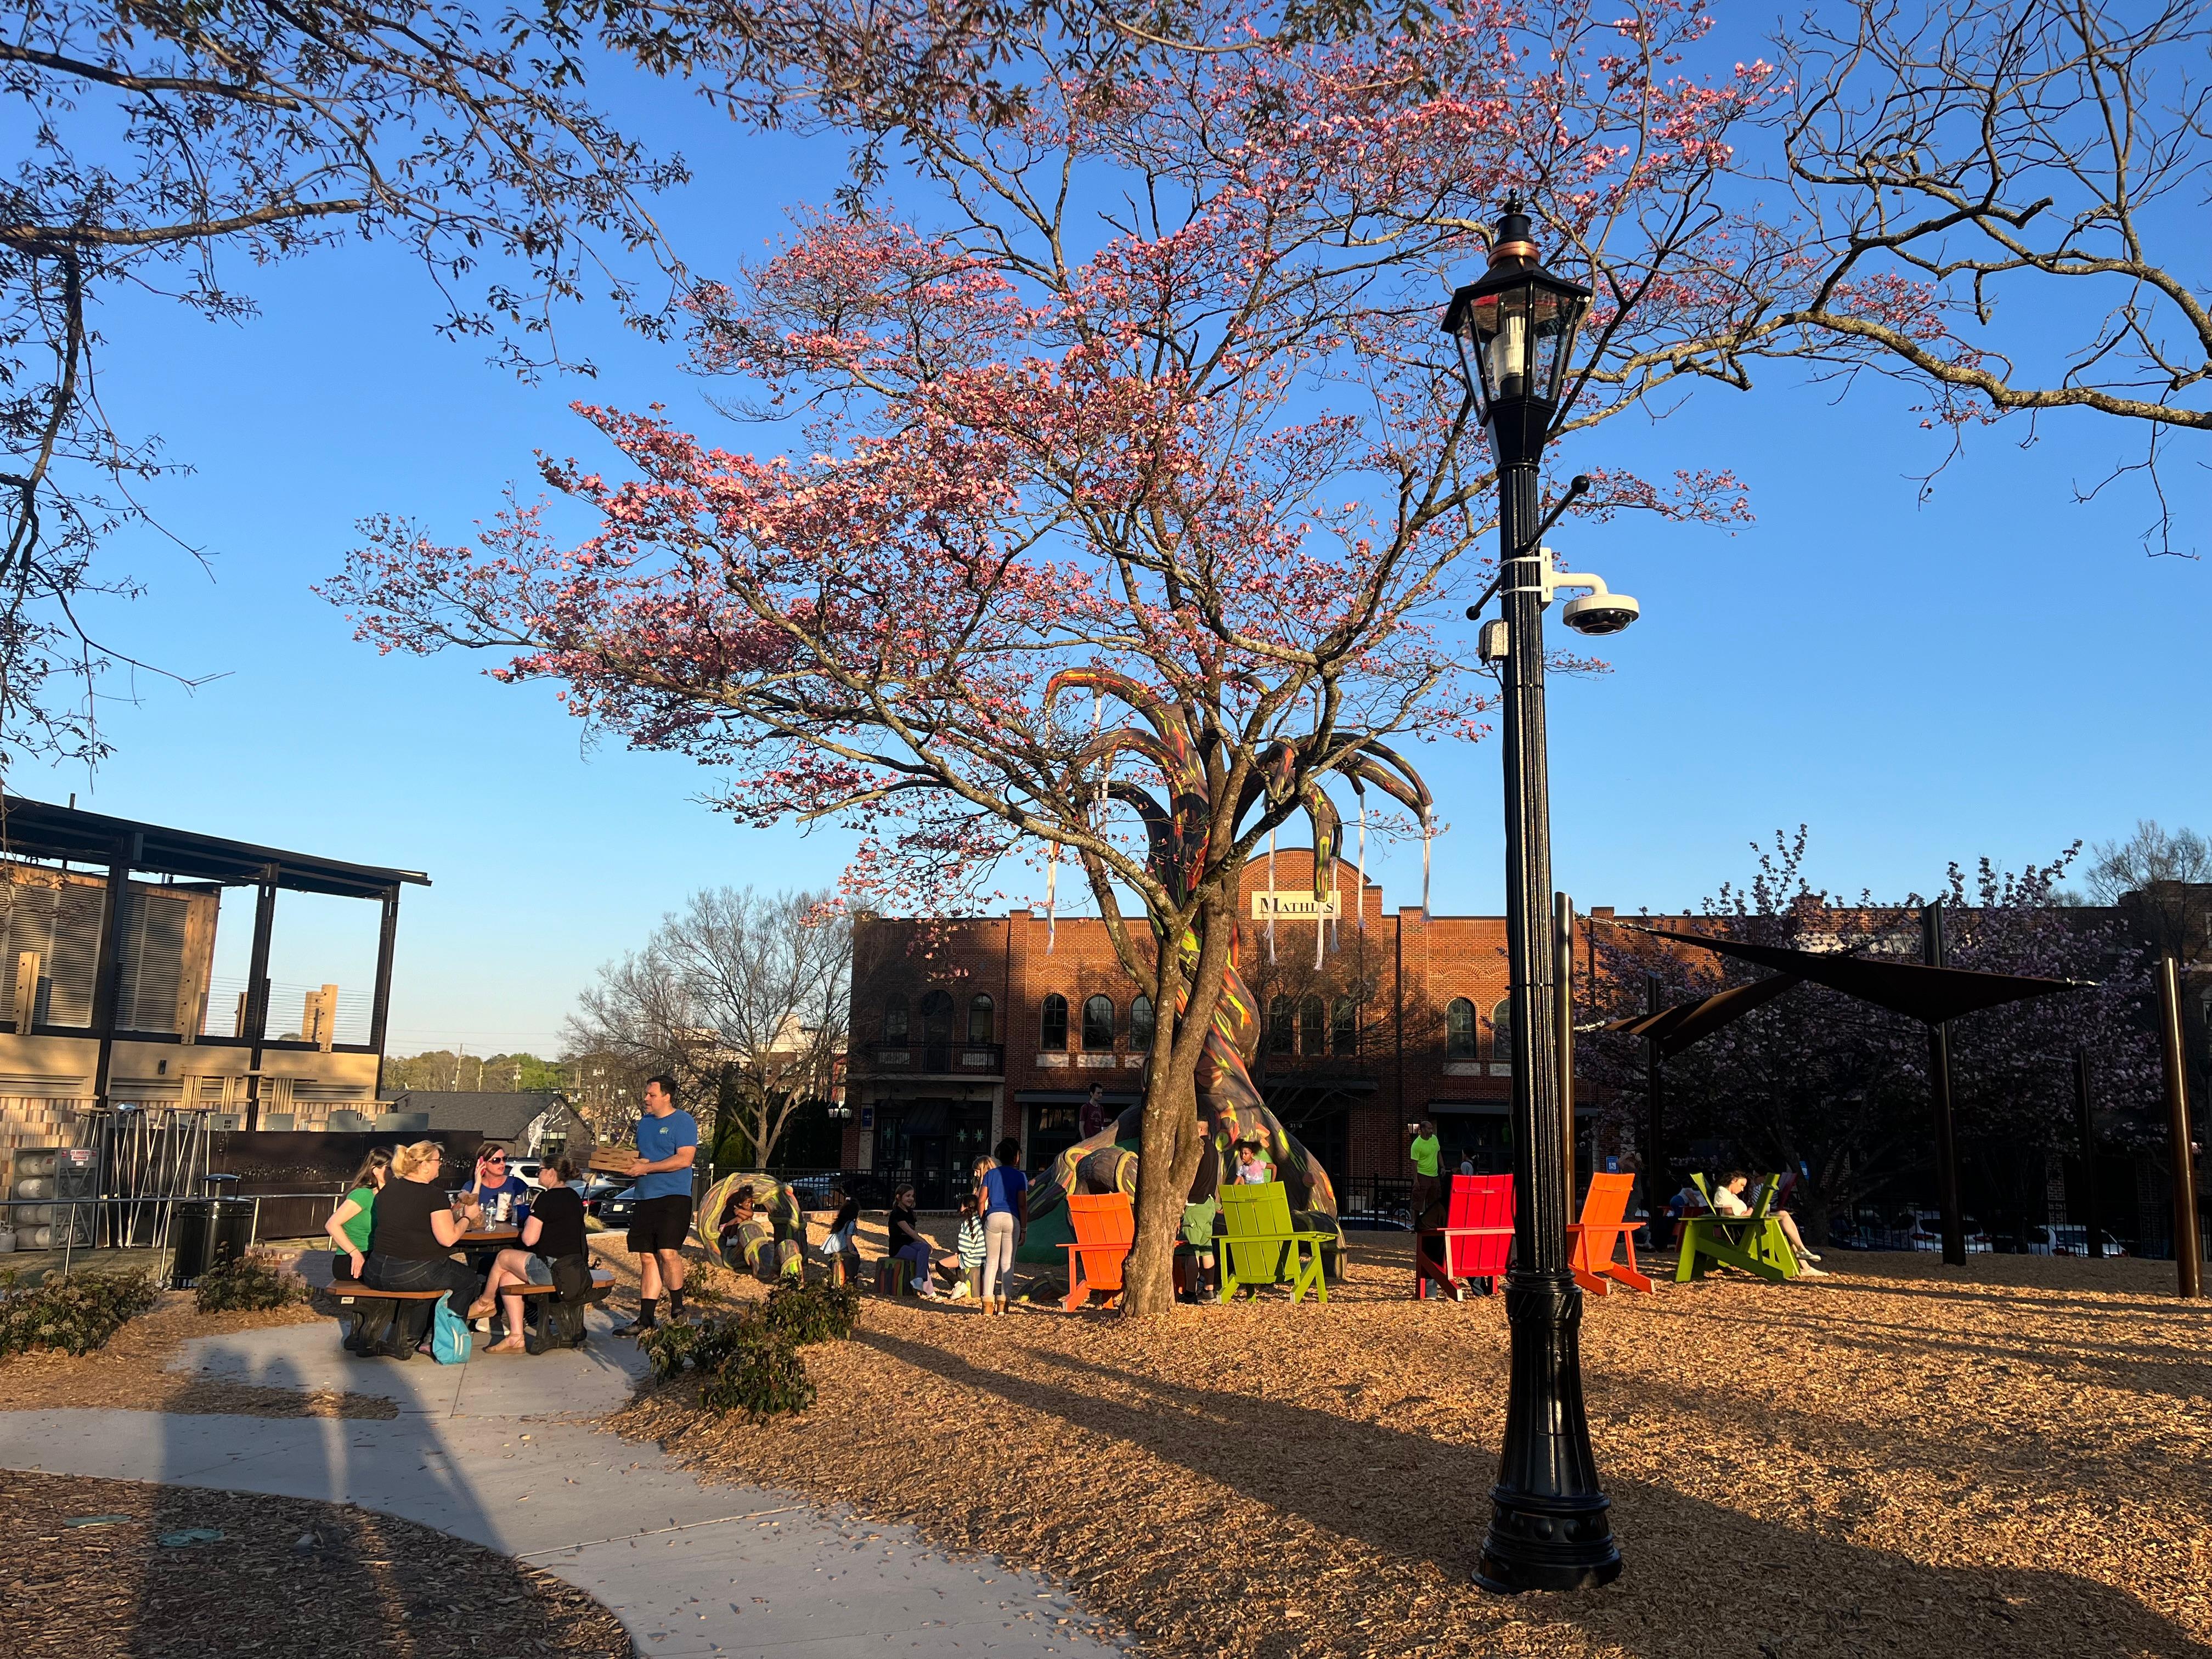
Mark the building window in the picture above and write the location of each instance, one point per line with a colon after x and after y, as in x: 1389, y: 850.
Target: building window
x: 894, y: 1019
x: 1052, y: 1029
x: 1312, y: 1024
x: 1140, y: 1022
x: 982, y: 1026
x: 936, y: 1020
x: 1098, y: 1023
x: 1501, y: 1032
x: 1344, y: 1027
x: 1282, y: 1026
x: 1459, y: 1029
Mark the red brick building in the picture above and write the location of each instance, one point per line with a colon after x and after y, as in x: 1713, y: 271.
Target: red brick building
x: 969, y: 1030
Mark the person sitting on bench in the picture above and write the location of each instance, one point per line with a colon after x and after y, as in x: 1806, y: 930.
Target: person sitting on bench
x: 349, y: 1226
x: 553, y: 1229
x: 412, y: 1228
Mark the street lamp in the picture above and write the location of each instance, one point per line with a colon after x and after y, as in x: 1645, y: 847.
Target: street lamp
x: 1548, y: 1527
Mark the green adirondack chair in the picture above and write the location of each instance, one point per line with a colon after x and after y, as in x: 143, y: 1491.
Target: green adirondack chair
x: 1259, y: 1245
x: 1755, y: 1242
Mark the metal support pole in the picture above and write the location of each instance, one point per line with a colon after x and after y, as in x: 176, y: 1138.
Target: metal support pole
x: 1658, y: 1185
x: 257, y: 989
x: 1548, y: 1525
x: 379, y: 1012
x: 108, y: 968
x: 2092, y: 1224
x: 1939, y: 1084
x: 1563, y: 933
x: 2188, y: 1248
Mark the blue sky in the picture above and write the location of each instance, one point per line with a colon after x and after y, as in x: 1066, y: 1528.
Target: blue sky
x: 1997, y: 671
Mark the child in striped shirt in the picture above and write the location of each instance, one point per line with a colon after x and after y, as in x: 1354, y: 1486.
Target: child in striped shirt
x: 971, y: 1249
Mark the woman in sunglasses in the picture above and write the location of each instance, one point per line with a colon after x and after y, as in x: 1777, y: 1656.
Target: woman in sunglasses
x: 505, y: 1198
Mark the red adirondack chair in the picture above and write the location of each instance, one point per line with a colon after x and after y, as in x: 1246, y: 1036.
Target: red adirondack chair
x: 1592, y: 1239
x: 1475, y: 1239
x: 1105, y: 1232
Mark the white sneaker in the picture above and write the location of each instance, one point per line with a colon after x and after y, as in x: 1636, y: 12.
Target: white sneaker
x: 1814, y: 1272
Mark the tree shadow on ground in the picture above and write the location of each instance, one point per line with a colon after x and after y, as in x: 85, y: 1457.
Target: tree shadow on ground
x: 1702, y: 1579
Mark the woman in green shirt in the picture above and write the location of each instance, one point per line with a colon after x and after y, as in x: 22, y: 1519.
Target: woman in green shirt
x: 349, y: 1223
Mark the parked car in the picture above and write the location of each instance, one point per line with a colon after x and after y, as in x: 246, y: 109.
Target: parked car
x: 596, y: 1190
x: 527, y: 1169
x: 1375, y: 1221
x: 615, y: 1209
x: 2067, y: 1241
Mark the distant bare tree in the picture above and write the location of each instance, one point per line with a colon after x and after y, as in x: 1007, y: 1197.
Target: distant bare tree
x: 2164, y: 884
x: 741, y: 996
x: 2026, y: 179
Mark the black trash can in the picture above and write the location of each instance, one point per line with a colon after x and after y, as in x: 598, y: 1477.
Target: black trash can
x: 206, y: 1231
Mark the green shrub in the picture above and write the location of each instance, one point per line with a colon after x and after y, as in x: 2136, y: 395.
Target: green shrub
x: 71, y: 1316
x: 763, y: 1377
x: 813, y: 1313
x: 247, y: 1283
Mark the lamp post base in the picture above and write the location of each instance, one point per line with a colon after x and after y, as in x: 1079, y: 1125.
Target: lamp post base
x: 1548, y: 1525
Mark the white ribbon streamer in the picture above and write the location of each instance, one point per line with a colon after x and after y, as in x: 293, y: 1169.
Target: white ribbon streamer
x: 1271, y: 898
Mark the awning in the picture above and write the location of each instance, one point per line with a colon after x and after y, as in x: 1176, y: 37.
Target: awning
x: 1074, y: 1097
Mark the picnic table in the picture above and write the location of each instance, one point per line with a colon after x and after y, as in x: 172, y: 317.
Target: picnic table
x: 487, y: 1235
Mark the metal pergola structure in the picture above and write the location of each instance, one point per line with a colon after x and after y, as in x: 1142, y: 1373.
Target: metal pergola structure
x: 38, y: 831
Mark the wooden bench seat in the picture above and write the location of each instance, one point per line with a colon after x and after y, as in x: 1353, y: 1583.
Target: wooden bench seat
x: 349, y: 1290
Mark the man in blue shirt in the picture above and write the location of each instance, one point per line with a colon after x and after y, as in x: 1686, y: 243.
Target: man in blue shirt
x: 667, y: 1141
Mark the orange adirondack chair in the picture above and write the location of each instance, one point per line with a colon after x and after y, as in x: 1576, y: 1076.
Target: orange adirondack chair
x: 1105, y: 1232
x: 1592, y: 1239
x: 1477, y: 1234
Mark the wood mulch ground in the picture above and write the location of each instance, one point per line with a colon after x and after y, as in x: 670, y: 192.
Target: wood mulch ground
x: 101, y: 1568
x: 2013, y: 1458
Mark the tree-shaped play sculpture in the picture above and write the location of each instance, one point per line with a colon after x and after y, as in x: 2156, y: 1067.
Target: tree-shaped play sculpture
x: 1229, y: 1109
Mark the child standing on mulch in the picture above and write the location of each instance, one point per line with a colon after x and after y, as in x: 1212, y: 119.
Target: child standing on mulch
x: 971, y: 1248
x: 839, y: 1250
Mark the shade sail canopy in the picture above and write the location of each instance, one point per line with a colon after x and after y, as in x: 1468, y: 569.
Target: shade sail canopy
x: 1675, y: 1028
x: 1931, y: 996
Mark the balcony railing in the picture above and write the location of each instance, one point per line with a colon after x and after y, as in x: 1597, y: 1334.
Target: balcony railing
x: 939, y: 1059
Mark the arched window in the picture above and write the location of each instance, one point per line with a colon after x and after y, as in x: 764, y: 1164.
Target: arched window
x: 1140, y: 1022
x: 937, y: 1019
x: 1052, y: 1029
x: 1312, y: 1026
x: 1459, y: 1029
x: 1501, y: 1032
x: 1098, y: 1023
x: 1344, y: 1027
x: 1282, y: 1026
x: 981, y: 1027
x: 894, y: 1019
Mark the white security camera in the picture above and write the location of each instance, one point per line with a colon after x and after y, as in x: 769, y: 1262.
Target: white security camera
x: 1599, y: 612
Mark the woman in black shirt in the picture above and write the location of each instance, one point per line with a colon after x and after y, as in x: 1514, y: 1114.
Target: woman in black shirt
x: 413, y: 1230
x: 555, y: 1231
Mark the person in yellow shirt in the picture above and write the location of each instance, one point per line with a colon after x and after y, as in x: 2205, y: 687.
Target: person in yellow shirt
x: 1423, y: 1148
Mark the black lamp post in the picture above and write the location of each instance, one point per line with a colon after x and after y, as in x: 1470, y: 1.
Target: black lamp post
x: 1548, y: 1527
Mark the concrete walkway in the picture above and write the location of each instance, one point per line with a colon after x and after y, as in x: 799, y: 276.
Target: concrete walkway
x: 499, y: 1451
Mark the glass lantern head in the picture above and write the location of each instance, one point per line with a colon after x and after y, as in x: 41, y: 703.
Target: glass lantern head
x: 1516, y: 331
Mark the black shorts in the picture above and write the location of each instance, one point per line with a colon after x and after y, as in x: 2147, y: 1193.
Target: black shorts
x: 659, y: 1223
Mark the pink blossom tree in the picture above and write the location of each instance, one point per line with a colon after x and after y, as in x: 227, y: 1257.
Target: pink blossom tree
x: 1151, y: 394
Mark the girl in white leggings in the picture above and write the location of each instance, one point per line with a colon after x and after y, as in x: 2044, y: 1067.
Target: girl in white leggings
x: 1005, y: 1191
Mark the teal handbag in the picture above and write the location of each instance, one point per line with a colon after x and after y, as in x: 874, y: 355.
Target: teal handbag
x: 449, y: 1334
